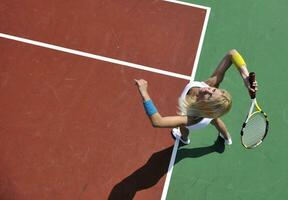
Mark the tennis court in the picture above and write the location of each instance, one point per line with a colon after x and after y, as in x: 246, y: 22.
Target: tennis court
x: 72, y: 122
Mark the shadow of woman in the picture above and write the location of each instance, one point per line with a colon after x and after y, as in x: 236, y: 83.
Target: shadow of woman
x: 156, y: 167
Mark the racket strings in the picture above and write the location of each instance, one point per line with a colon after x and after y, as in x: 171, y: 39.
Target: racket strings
x: 254, y: 130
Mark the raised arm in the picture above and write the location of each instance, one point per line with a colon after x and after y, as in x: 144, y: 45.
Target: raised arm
x: 231, y: 57
x: 156, y: 119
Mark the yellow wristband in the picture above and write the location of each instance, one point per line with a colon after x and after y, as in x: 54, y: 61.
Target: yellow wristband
x: 238, y: 60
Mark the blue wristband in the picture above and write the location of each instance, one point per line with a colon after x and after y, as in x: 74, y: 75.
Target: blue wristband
x: 150, y: 107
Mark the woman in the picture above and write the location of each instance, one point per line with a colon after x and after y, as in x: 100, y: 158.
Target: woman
x: 200, y: 103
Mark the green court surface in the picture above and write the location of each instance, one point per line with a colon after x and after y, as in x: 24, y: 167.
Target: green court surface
x: 258, y: 29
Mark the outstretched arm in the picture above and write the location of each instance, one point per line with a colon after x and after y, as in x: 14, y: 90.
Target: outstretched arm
x: 231, y: 57
x: 156, y: 119
x: 218, y: 75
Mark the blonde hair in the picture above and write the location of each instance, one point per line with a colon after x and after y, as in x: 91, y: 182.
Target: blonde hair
x: 208, y: 108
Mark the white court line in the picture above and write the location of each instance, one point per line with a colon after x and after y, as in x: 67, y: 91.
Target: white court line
x: 200, y: 44
x: 188, y: 4
x: 196, y: 61
x: 93, y: 56
x: 194, y: 69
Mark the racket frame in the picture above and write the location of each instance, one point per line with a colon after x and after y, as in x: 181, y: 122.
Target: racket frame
x: 254, y: 104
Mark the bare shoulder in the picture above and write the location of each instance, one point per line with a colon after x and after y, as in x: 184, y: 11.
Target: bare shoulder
x: 212, y: 81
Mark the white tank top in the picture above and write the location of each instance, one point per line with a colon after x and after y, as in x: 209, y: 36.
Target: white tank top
x: 205, y: 121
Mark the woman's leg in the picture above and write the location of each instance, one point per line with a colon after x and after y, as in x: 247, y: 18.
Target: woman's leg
x: 184, y: 132
x: 220, y: 126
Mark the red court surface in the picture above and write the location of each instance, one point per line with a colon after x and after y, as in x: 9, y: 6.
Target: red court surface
x: 73, y: 127
x: 150, y: 32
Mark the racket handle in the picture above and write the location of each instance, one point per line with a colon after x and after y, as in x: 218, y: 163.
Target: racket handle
x: 252, y: 78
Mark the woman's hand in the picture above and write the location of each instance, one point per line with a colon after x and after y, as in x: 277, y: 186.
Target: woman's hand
x: 142, y: 87
x: 254, y: 87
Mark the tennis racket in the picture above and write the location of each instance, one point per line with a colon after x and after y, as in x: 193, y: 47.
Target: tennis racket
x: 256, y: 125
